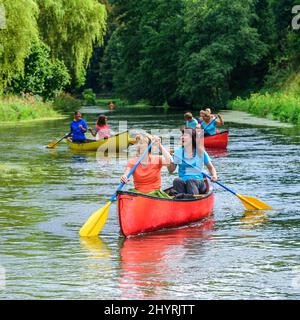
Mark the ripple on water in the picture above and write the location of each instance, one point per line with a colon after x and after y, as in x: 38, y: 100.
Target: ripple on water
x: 46, y: 196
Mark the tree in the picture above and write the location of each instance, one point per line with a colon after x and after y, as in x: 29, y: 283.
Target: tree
x: 42, y: 75
x: 16, y: 38
x: 71, y: 28
x: 220, y: 38
x: 147, y: 38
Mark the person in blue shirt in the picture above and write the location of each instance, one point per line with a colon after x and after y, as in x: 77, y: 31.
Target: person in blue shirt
x: 78, y: 128
x: 190, y: 121
x: 190, y: 181
x: 209, y: 123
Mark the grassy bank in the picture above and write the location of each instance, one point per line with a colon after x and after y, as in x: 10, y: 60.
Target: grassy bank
x: 16, y: 109
x: 276, y: 106
x: 119, y: 103
x: 280, y: 98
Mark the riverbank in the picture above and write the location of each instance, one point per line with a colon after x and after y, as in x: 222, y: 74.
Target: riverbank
x: 284, y: 107
x: 15, y: 109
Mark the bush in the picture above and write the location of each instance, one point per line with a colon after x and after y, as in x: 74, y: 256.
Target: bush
x: 42, y: 75
x: 66, y: 103
x: 27, y: 108
x: 279, y: 106
x: 89, y: 97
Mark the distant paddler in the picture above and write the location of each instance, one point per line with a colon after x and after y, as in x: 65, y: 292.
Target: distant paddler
x: 209, y: 123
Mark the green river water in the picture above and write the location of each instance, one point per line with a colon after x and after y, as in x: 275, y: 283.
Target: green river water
x: 46, y: 196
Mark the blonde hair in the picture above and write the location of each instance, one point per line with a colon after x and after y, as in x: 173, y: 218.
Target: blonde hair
x: 145, y: 138
x: 206, y: 113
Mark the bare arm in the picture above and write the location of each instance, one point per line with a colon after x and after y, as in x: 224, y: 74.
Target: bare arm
x: 172, y: 167
x: 212, y: 171
x: 167, y: 158
x: 124, y: 177
x: 220, y: 121
x: 92, y: 133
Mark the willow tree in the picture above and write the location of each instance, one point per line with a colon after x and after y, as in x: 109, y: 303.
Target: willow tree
x: 16, y: 36
x: 71, y: 28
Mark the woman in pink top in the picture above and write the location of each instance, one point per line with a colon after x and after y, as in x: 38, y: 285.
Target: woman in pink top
x: 102, y: 130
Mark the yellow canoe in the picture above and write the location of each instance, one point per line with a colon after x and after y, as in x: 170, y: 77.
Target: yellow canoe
x: 115, y: 143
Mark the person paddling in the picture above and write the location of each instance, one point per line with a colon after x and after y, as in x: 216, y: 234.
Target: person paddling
x: 201, y: 115
x: 102, y: 129
x: 190, y: 181
x: 78, y: 128
x: 190, y: 121
x: 147, y: 176
x: 209, y: 124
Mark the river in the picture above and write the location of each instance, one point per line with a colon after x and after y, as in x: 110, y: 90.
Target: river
x: 46, y: 196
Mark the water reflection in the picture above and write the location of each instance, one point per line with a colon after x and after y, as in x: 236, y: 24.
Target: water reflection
x: 149, y: 263
x: 96, y: 248
x: 252, y: 219
x: 217, y: 153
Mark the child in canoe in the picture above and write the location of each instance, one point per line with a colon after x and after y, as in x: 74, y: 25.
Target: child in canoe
x: 190, y: 181
x: 147, y: 175
x: 209, y: 123
x: 102, y: 129
x: 190, y: 121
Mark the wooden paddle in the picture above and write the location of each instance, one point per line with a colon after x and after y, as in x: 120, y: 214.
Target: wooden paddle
x: 250, y: 203
x: 53, y: 144
x: 97, y: 220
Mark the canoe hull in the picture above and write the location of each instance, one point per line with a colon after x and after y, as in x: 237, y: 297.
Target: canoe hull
x: 217, y: 141
x: 141, y: 213
x: 113, y: 144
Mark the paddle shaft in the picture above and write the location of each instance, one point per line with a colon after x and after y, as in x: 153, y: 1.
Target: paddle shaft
x: 114, y: 196
x: 214, y: 119
x: 61, y: 139
x: 206, y: 175
x: 243, y: 198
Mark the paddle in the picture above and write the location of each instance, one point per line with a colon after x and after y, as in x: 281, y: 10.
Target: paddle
x: 97, y: 220
x: 250, y: 203
x: 53, y: 144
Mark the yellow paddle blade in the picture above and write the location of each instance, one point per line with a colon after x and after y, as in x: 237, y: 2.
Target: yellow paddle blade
x: 95, y: 222
x: 52, y: 144
x: 131, y: 141
x: 251, y: 203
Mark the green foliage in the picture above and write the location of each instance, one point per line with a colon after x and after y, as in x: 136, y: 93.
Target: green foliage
x: 16, y: 38
x: 186, y: 52
x: 64, y: 102
x: 70, y: 28
x: 89, y: 97
x: 143, y: 51
x: 28, y: 108
x: 42, y: 76
x: 279, y: 106
x: 220, y: 39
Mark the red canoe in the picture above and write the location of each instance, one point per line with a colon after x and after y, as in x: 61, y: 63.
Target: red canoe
x: 217, y: 141
x: 140, y: 213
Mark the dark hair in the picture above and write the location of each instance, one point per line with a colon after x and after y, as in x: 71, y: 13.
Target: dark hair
x: 75, y: 113
x: 188, y: 115
x: 102, y: 120
x: 192, y: 133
